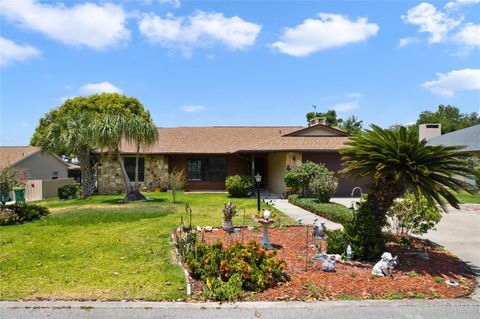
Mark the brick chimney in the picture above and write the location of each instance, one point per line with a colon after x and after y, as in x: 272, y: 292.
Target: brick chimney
x: 429, y: 131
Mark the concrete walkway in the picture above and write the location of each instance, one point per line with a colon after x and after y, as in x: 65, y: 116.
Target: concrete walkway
x: 307, y: 217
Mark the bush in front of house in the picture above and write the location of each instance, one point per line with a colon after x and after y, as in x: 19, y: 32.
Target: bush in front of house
x: 239, y: 185
x: 225, y: 269
x: 412, y: 215
x: 70, y: 191
x: 10, y: 177
x: 336, y: 242
x: 21, y: 213
x: 313, y: 180
x: 332, y: 211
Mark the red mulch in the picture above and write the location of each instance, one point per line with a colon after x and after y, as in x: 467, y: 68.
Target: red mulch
x: 354, y: 281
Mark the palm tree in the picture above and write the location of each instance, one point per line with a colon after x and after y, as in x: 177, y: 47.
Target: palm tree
x: 72, y: 135
x: 396, y: 162
x: 111, y: 129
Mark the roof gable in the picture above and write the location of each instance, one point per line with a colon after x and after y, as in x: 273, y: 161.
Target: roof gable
x: 318, y: 130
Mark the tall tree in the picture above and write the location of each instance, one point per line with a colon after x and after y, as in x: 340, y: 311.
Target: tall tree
x: 331, y: 117
x: 72, y: 130
x: 352, y: 125
x: 66, y: 131
x: 396, y: 162
x: 449, y: 117
x: 113, y: 129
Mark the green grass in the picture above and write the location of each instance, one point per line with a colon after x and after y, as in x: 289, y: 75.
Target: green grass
x: 332, y: 211
x: 99, y: 249
x: 466, y: 198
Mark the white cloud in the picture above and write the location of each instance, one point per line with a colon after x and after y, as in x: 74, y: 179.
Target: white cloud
x: 356, y: 95
x: 13, y: 52
x: 325, y: 32
x: 469, y: 36
x: 454, y: 81
x: 432, y: 21
x: 403, y: 42
x: 192, y: 108
x: 86, y: 24
x: 344, y: 107
x: 174, y: 3
x: 97, y: 88
x: 459, y: 3
x: 25, y: 125
x: 201, y: 29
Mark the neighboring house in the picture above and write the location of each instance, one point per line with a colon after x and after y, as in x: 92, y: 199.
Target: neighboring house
x: 468, y: 137
x: 207, y: 155
x: 36, y: 164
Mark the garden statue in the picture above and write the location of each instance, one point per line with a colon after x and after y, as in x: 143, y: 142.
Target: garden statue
x: 328, y: 263
x: 384, y: 268
x: 319, y: 234
x: 265, y: 218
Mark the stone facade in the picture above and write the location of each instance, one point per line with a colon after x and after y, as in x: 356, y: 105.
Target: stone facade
x: 110, y: 178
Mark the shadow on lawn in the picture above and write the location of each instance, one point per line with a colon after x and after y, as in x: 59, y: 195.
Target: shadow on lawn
x: 88, y: 216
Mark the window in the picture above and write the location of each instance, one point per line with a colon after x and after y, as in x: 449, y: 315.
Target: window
x: 130, y: 168
x: 55, y: 175
x: 207, y: 169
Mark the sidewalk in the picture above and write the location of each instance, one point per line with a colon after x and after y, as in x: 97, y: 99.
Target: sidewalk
x: 307, y: 217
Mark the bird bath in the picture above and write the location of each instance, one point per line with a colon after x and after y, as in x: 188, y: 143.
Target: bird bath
x: 265, y: 221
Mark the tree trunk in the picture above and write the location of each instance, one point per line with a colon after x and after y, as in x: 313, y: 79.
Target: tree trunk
x: 132, y: 194
x: 137, y: 188
x: 365, y: 232
x: 88, y: 180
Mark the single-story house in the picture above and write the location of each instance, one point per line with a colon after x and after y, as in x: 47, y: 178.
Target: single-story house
x: 32, y: 161
x: 207, y: 155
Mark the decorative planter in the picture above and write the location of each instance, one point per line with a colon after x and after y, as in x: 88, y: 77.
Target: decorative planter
x: 227, y: 224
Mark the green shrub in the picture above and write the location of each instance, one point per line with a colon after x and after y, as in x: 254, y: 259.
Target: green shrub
x: 71, y: 191
x: 21, y: 213
x: 301, y: 177
x: 224, y: 291
x: 323, y: 185
x: 257, y: 268
x: 336, y: 242
x: 292, y: 180
x: 239, y: 185
x: 477, y: 176
x: 413, y: 215
x: 10, y: 177
x: 332, y: 211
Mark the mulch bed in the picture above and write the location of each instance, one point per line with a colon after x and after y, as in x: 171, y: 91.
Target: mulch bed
x: 413, y: 278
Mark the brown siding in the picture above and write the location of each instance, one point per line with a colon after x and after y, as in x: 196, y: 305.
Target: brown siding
x: 332, y: 161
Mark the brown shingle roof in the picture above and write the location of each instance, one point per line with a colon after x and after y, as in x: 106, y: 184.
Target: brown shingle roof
x: 11, y: 154
x: 232, y: 139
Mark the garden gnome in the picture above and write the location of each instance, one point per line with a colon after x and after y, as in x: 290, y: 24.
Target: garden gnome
x: 384, y: 268
x: 328, y: 263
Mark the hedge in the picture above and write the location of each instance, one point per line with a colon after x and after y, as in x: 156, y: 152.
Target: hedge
x: 332, y: 211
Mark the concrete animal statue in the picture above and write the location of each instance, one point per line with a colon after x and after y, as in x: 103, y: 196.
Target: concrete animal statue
x: 320, y: 231
x: 328, y: 263
x: 384, y: 268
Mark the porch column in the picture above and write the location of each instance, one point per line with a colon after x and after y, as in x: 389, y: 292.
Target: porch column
x: 252, y: 161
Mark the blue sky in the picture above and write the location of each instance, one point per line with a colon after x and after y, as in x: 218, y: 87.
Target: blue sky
x: 239, y: 62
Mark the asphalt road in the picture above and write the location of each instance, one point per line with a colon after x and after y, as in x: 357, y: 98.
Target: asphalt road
x: 373, y: 309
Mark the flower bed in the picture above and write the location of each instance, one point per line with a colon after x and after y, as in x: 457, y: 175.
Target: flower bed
x: 414, y: 277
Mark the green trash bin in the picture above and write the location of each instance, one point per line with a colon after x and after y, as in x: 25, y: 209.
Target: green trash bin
x: 19, y: 195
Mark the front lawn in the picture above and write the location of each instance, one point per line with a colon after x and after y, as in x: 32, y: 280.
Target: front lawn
x: 466, y: 198
x: 100, y: 249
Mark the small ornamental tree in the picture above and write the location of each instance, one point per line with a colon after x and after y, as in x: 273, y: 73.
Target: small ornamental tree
x: 176, y: 183
x: 10, y: 177
x: 413, y: 215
